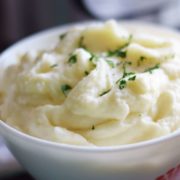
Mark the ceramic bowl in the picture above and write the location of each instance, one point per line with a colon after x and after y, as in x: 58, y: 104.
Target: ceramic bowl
x: 46, y: 160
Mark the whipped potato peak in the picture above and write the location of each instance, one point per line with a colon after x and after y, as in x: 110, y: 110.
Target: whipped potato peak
x: 102, y: 85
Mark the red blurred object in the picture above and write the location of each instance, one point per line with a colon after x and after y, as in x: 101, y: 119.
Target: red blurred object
x: 172, y: 174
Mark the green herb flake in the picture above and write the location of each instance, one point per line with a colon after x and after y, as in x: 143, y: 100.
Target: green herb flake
x: 53, y: 65
x: 92, y: 57
x: 151, y: 69
x: 118, y: 52
x: 140, y: 60
x: 121, y: 52
x: 133, y: 78
x: 129, y: 63
x: 93, y: 127
x: 81, y: 45
x: 105, y: 92
x: 127, y: 76
x: 111, y: 63
x: 62, y: 36
x: 65, y: 88
x: 72, y: 59
x: 125, y: 63
x: 86, y: 73
x: 122, y: 84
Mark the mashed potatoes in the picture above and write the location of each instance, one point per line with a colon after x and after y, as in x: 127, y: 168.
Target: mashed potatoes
x: 102, y: 85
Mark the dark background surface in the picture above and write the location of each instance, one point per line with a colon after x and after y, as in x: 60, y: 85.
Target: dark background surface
x: 20, y: 18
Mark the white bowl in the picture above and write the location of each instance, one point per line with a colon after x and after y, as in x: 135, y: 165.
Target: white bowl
x: 52, y: 161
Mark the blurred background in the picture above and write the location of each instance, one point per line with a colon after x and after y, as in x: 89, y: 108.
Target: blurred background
x: 20, y: 18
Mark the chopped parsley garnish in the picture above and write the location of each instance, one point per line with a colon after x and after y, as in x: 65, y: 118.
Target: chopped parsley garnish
x: 122, y: 84
x: 118, y: 52
x: 93, y: 127
x: 111, y: 63
x: 81, y: 45
x: 127, y: 76
x: 132, y: 78
x: 128, y: 62
x: 62, y: 36
x: 53, y: 65
x: 151, y: 69
x: 93, y: 57
x: 105, y: 92
x: 140, y: 60
x: 123, y: 81
x: 65, y: 88
x: 86, y: 73
x: 72, y: 59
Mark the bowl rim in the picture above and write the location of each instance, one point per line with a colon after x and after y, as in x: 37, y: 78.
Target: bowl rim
x: 80, y: 148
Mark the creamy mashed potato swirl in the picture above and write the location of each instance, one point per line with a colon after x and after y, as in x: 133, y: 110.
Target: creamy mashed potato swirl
x: 102, y: 85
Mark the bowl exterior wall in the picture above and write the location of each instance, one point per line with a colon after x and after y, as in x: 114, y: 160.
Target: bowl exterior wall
x: 46, y: 162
